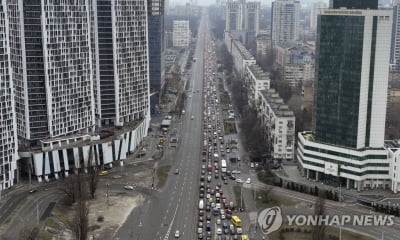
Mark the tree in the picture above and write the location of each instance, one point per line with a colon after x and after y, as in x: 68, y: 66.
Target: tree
x: 81, y: 228
x: 70, y: 188
x: 319, y: 211
x: 93, y: 180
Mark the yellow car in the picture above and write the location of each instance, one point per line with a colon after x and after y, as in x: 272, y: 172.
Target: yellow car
x: 103, y: 173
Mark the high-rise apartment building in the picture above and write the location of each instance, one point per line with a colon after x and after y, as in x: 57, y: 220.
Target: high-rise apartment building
x: 285, y: 21
x: 155, y: 17
x: 8, y: 130
x: 71, y: 66
x: 51, y: 69
x: 315, y: 8
x: 123, y: 84
x: 346, y: 146
x: 252, y: 18
x: 233, y: 16
x: 395, y: 46
x: 181, y: 33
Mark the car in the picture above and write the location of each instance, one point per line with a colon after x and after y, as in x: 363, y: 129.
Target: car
x: 32, y: 190
x: 219, y: 231
x: 208, y: 217
x: 201, y: 236
x: 177, y: 234
x: 233, y: 177
x: 223, y: 217
x: 248, y: 181
x: 208, y: 178
x: 201, y: 213
x: 239, y: 180
x: 239, y: 230
x: 103, y: 173
x: 201, y: 195
x: 228, y: 216
x: 236, y: 171
x: 129, y: 187
x: 208, y: 208
x: 201, y: 219
x: 199, y: 230
x: 192, y: 117
x: 177, y: 171
x: 226, y: 231
x: 228, y: 211
x: 218, y: 205
x: 200, y: 224
x: 218, y: 221
x: 225, y: 225
x: 225, y: 181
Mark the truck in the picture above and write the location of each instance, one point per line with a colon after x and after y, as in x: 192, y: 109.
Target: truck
x: 223, y: 166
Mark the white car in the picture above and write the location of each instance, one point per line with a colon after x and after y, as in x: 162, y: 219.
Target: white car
x: 177, y: 234
x: 235, y: 171
x: 192, y: 117
x: 199, y: 230
x: 218, y: 205
x: 239, y: 230
x: 219, y: 231
x: 223, y: 217
x: 129, y: 187
x: 218, y: 221
x: 248, y: 181
x: 238, y: 180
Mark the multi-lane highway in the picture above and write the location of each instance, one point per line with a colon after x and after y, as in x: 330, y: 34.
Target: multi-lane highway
x: 174, y: 207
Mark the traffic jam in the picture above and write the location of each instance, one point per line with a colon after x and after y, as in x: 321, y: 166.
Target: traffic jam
x: 216, y: 218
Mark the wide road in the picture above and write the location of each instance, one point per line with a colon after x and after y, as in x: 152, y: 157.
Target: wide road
x: 175, y: 206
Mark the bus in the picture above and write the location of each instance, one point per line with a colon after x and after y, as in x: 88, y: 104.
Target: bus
x: 223, y: 166
x: 245, y: 237
x: 236, y: 221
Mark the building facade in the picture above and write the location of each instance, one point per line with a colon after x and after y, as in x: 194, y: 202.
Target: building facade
x: 278, y: 122
x: 181, y: 33
x: 233, y: 16
x: 346, y: 146
x: 123, y: 61
x: 252, y: 18
x: 241, y: 57
x: 264, y: 44
x: 255, y: 80
x: 75, y: 67
x: 52, y: 71
x: 8, y: 126
x: 395, y: 46
x: 285, y: 21
x: 155, y: 18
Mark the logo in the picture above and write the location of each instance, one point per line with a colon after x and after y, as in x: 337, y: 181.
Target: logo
x: 270, y: 219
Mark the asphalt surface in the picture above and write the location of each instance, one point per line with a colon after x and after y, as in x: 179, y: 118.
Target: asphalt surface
x: 174, y: 206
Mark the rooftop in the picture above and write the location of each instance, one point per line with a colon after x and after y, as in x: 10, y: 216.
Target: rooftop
x: 258, y: 72
x: 277, y: 104
x: 246, y: 55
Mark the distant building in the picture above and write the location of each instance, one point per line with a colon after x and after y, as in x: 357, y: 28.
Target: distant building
x: 264, y: 44
x: 233, y: 16
x: 181, y: 33
x: 315, y: 8
x: 297, y: 64
x: 346, y: 147
x: 285, y: 21
x: 278, y: 122
x: 252, y: 18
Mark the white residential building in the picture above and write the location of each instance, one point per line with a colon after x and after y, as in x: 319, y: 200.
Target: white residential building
x: 8, y: 126
x: 181, y: 33
x: 75, y: 62
x: 285, y: 21
x: 241, y: 57
x: 256, y: 80
x: 279, y: 124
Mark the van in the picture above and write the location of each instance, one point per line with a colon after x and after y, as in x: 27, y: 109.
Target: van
x: 201, y: 204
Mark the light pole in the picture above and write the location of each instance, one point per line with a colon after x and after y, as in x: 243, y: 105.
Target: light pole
x: 107, y: 192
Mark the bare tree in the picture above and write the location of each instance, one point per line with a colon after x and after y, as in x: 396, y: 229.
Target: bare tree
x: 28, y: 232
x: 93, y: 180
x: 82, y: 211
x: 69, y: 187
x: 319, y: 211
